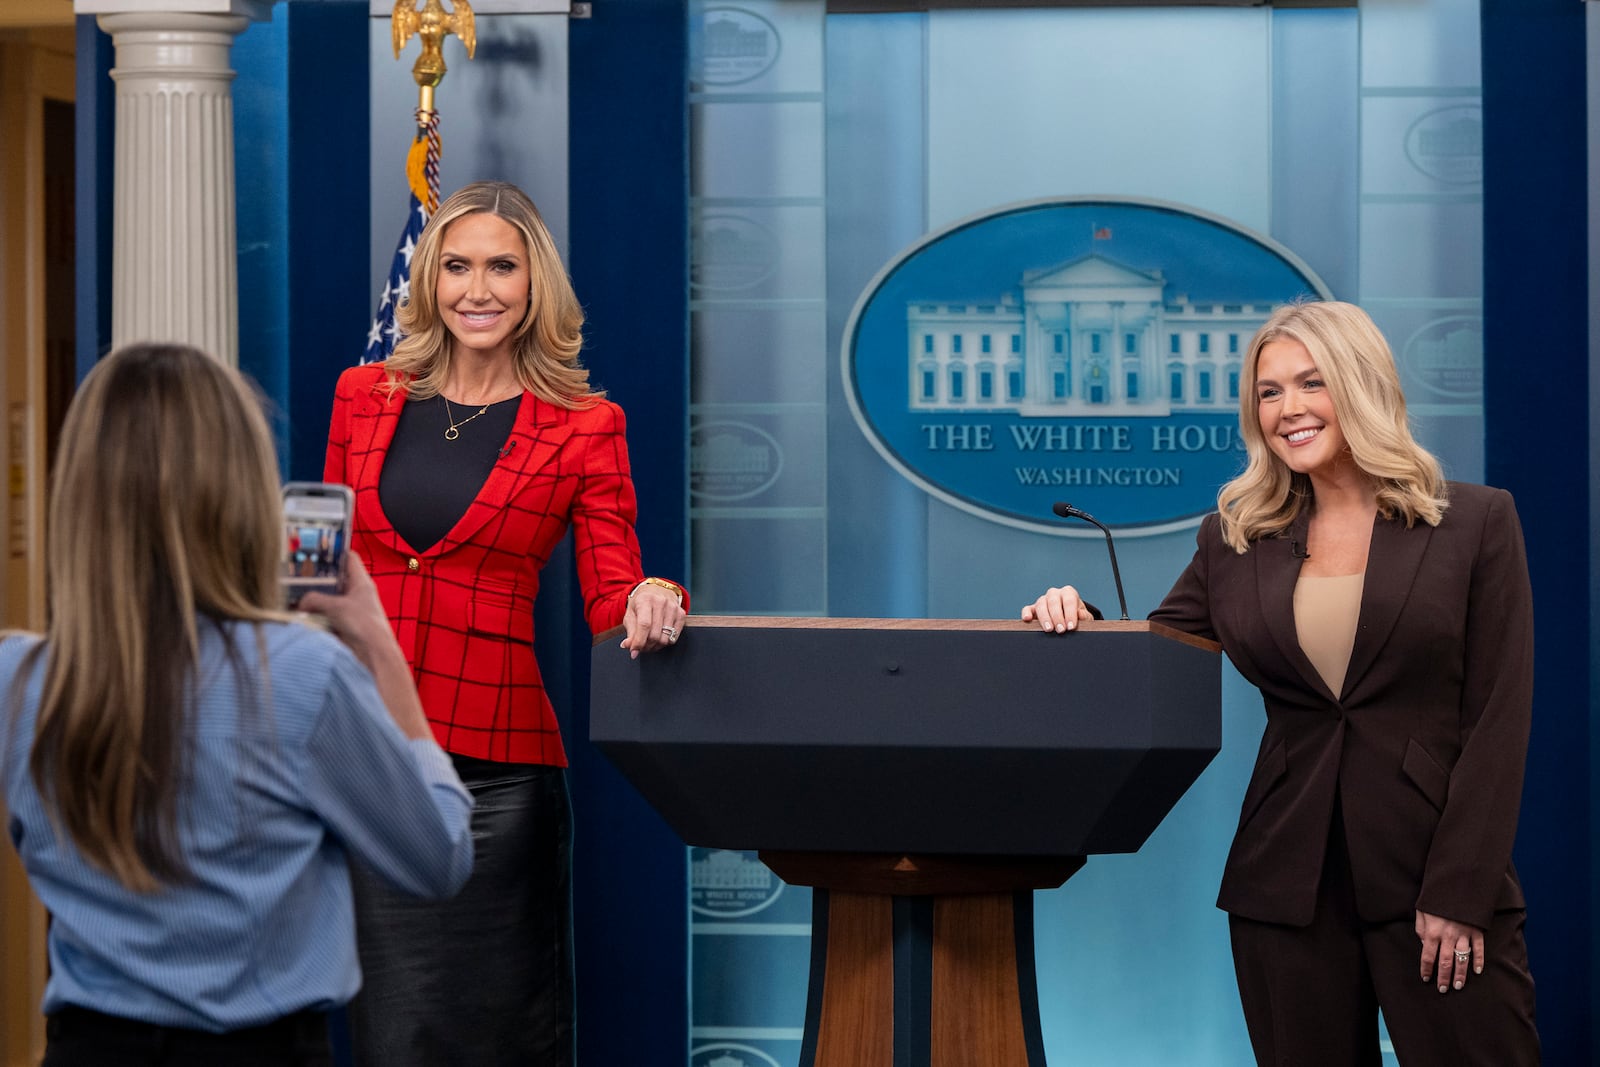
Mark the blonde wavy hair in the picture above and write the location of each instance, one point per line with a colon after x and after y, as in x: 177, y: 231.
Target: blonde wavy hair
x: 545, y: 344
x: 164, y: 508
x: 1359, y: 370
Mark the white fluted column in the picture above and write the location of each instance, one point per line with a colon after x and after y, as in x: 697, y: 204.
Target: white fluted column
x: 174, y: 273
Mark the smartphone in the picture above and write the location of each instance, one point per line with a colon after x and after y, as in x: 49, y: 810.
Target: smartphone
x: 316, y: 527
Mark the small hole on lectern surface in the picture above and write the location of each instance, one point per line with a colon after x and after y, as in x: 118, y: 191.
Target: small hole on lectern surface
x: 892, y: 668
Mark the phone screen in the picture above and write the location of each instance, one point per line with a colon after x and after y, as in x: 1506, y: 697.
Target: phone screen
x: 316, y: 520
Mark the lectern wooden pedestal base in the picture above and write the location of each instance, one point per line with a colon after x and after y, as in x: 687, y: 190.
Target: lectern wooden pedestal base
x: 922, y: 961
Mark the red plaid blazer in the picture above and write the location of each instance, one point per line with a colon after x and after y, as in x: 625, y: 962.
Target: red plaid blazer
x: 463, y: 609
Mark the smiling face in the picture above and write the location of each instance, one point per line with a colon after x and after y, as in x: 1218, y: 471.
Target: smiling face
x: 1296, y: 411
x: 484, y: 288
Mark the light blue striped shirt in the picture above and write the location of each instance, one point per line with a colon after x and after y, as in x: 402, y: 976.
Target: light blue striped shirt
x: 280, y: 790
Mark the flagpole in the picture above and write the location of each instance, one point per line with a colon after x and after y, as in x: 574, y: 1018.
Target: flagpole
x: 432, y: 23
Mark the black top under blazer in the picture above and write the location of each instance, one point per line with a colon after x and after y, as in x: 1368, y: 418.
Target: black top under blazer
x: 1425, y: 747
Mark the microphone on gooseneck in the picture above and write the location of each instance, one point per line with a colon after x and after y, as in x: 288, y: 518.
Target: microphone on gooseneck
x: 1067, y: 511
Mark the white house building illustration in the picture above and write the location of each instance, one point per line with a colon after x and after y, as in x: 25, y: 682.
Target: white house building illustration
x: 725, y: 38
x: 1091, y: 337
x: 726, y: 869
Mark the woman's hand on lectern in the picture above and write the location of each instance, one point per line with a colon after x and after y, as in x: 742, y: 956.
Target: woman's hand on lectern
x: 1059, y: 610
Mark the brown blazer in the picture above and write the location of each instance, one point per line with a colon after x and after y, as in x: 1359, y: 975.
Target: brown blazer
x: 1425, y: 747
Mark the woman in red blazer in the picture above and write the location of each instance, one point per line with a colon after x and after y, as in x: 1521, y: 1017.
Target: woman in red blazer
x: 1387, y: 619
x: 471, y: 452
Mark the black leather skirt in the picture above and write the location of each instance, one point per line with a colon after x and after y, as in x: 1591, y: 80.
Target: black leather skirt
x: 484, y: 979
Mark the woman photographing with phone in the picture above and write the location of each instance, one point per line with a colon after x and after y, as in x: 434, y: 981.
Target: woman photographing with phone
x: 184, y: 767
x: 472, y: 450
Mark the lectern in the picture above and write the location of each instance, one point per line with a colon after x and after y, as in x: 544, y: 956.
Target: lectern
x: 925, y: 776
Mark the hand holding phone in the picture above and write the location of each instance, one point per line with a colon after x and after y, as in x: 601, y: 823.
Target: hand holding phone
x: 316, y: 525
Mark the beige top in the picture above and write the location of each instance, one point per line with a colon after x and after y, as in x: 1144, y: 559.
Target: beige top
x: 1325, y: 614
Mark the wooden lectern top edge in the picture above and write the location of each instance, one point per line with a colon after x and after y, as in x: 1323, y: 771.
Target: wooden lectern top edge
x: 773, y: 622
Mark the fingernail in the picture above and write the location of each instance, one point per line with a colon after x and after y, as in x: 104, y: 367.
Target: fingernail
x: 1059, y: 628
x: 1478, y: 969
x: 1073, y: 625
x: 1444, y: 989
x: 1459, y: 983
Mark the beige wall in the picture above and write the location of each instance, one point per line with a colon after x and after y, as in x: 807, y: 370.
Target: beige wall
x: 36, y: 64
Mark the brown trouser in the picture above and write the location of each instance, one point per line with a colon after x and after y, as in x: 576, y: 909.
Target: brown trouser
x: 1311, y: 994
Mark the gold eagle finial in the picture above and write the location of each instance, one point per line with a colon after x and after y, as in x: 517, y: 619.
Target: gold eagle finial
x: 433, y: 24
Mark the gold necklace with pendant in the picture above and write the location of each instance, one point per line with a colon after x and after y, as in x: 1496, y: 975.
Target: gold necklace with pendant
x: 455, y: 427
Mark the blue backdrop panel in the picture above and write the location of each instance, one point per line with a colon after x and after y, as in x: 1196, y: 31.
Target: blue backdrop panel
x: 330, y: 302
x: 301, y: 216
x: 1537, y: 445
x: 875, y: 78
x: 1314, y: 121
x: 263, y: 213
x: 628, y: 148
x: 94, y: 128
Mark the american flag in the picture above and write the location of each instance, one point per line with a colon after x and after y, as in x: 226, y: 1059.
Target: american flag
x: 422, y: 175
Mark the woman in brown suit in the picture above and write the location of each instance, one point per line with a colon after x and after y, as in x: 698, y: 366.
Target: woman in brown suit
x: 1386, y: 616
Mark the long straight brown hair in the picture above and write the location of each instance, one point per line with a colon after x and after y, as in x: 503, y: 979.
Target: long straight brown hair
x: 163, y: 508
